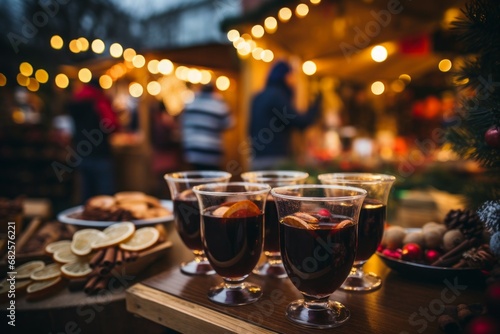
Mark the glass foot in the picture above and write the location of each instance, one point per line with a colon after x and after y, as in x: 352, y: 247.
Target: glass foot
x: 271, y: 270
x: 364, y: 282
x: 197, y: 268
x: 322, y: 315
x: 233, y: 295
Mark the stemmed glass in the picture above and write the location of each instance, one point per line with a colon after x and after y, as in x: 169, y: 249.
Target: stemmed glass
x: 371, y: 223
x: 273, y: 266
x: 318, y: 240
x: 232, y: 230
x: 187, y: 214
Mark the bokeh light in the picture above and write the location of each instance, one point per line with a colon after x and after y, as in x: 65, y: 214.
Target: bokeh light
x: 405, y: 77
x: 129, y: 54
x: 378, y: 87
x: 257, y: 31
x: 98, y: 46
x: 445, y: 65
x: 301, y: 10
x: 139, y: 61
x: 3, y: 80
x: 105, y: 81
x: 222, y: 83
x: 85, y: 75
x: 42, y: 76
x: 115, y: 50
x: 309, y: 67
x: 284, y: 14
x: 153, y: 66
x: 56, y: 42
x: 83, y: 44
x: 270, y: 24
x: 233, y: 35
x: 154, y: 88
x: 135, y: 89
x: 165, y: 66
x: 61, y: 80
x: 26, y: 69
x: 379, y: 53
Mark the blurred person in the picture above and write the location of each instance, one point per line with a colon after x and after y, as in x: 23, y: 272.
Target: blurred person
x: 94, y: 121
x: 273, y: 118
x: 202, y: 123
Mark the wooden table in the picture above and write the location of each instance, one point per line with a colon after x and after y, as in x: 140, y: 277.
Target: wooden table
x: 401, y: 305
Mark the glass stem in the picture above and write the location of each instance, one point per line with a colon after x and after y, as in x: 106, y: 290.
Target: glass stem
x: 357, y: 269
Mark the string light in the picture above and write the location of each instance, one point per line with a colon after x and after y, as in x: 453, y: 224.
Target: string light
x: 62, y: 80
x: 22, y: 80
x: 285, y: 14
x: 206, y: 77
x: 233, y: 35
x: 379, y: 53
x: 257, y: 31
x: 26, y: 69
x: 267, y: 56
x: 42, y: 76
x: 74, y: 46
x: 129, y: 54
x: 115, y: 50
x: 398, y: 86
x: 33, y: 85
x: 309, y: 67
x: 135, y: 89
x: 445, y: 65
x: 222, y: 83
x: 85, y: 75
x: 98, y: 46
x: 139, y: 61
x: 405, y: 77
x: 105, y: 81
x: 181, y: 73
x: 153, y: 66
x: 153, y: 88
x: 315, y: 2
x: 378, y: 87
x: 83, y: 44
x: 270, y: 24
x: 165, y: 66
x: 301, y: 10
x: 56, y: 42
x: 194, y: 76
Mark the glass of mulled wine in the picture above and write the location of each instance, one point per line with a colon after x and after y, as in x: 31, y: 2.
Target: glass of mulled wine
x: 273, y: 266
x: 371, y: 223
x: 318, y: 241
x: 232, y: 230
x: 187, y: 214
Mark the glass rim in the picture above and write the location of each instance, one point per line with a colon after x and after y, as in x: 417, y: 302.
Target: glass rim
x: 205, y: 176
x: 361, y: 192
x: 264, y: 188
x: 274, y: 175
x: 357, y: 178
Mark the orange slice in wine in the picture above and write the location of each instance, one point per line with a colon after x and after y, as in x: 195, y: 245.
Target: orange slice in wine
x: 242, y: 209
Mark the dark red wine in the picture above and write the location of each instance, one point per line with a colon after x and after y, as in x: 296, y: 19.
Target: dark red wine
x: 370, y: 228
x: 187, y: 222
x: 271, y: 237
x: 233, y: 245
x: 318, y: 260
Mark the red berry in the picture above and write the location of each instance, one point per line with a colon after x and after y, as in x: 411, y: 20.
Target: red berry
x: 392, y: 253
x: 432, y: 255
x: 411, y: 252
x: 324, y: 212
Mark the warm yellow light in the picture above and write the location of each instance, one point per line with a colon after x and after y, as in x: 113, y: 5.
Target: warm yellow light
x: 238, y: 41
x: 154, y: 88
x: 129, y: 54
x: 244, y: 49
x: 115, y: 50
x: 267, y: 56
x: 315, y: 2
x: 98, y: 46
x: 257, y: 31
x: 3, y: 80
x: 153, y: 66
x: 257, y: 53
x: 42, y: 76
x: 33, y: 85
x: 284, y: 14
x: 405, y: 77
x: 74, y: 46
x: 379, y: 53
x: 445, y: 65
x: 165, y: 66
x: 233, y: 35
x: 398, y: 86
x: 194, y: 76
x: 26, y: 69
x: 222, y: 83
x: 139, y: 61
x: 309, y: 67
x: 61, y: 80
x: 181, y: 73
x: 378, y: 87
x: 84, y: 75
x: 206, y: 77
x: 105, y: 81
x: 18, y: 116
x: 271, y: 24
x: 135, y: 89
x: 56, y: 42
x: 22, y: 80
x: 450, y: 15
x: 83, y: 44
x: 301, y: 10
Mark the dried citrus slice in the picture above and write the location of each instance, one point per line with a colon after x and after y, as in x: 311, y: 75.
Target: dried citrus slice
x: 20, y: 286
x: 76, y: 269
x: 115, y: 234
x: 241, y: 209
x: 143, y: 238
x: 65, y: 256
x: 48, y: 272
x: 57, y: 245
x: 83, y: 239
x: 296, y: 221
x: 25, y: 270
x: 42, y: 288
x: 101, y: 202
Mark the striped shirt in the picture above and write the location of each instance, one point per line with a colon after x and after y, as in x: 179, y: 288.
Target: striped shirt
x: 203, y: 122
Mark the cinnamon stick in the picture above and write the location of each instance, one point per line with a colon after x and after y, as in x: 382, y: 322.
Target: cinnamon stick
x: 97, y: 258
x: 109, y: 257
x: 102, y: 283
x: 133, y: 256
x: 126, y: 256
x: 119, y: 257
x: 458, y: 250
x: 89, y: 286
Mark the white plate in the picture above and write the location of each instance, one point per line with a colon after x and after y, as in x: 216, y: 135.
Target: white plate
x: 66, y: 217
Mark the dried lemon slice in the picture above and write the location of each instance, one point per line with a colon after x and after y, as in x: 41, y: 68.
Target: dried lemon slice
x: 241, y: 209
x: 51, y: 271
x: 25, y: 270
x: 143, y: 238
x: 41, y: 288
x: 83, y: 239
x: 115, y: 234
x: 57, y: 245
x: 76, y: 269
x: 65, y: 256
